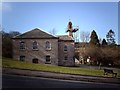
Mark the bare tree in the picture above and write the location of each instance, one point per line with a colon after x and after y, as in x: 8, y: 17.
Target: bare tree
x: 84, y: 36
x: 53, y: 31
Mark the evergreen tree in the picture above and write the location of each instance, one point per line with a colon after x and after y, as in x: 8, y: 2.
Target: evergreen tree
x: 104, y: 43
x: 94, y: 41
x: 110, y: 37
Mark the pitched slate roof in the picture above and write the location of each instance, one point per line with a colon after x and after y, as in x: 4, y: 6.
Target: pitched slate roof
x: 66, y: 37
x: 34, y: 34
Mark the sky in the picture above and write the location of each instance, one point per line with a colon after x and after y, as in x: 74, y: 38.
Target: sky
x: 89, y: 16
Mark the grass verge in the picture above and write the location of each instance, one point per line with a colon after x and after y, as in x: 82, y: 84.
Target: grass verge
x: 10, y: 63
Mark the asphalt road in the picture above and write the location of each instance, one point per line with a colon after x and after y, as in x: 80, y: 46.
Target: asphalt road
x: 14, y: 81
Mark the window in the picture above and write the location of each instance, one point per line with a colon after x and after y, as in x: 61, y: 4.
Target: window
x: 65, y: 48
x: 47, y: 59
x: 35, y: 45
x: 35, y: 60
x: 48, y: 45
x: 66, y: 58
x: 22, y: 45
x: 22, y: 58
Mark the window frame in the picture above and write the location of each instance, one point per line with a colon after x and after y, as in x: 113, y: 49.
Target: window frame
x: 35, y: 60
x: 22, y: 58
x: 66, y: 57
x: 47, y: 45
x: 22, y: 45
x: 48, y: 59
x: 65, y: 48
x: 34, y: 44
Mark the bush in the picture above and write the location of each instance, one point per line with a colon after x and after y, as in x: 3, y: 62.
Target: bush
x: 103, y: 55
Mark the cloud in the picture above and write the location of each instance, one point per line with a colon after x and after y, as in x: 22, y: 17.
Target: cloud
x: 5, y: 7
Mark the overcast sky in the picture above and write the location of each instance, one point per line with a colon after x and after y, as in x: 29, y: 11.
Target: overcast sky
x: 98, y: 16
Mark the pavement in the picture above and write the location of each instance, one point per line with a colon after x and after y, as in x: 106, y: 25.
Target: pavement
x: 36, y: 73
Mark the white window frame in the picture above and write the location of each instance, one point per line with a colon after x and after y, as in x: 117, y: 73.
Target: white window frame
x: 47, y: 45
x: 35, y: 45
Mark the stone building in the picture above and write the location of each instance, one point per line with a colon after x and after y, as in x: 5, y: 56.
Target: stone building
x: 66, y: 50
x: 37, y: 46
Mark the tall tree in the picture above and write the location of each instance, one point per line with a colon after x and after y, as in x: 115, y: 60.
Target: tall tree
x: 104, y: 43
x: 110, y: 37
x: 7, y: 43
x: 84, y: 36
x: 94, y: 41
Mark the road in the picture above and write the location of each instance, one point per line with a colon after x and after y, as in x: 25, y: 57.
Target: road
x: 14, y: 81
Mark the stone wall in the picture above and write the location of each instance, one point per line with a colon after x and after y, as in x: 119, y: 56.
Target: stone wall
x: 40, y: 54
x: 69, y: 53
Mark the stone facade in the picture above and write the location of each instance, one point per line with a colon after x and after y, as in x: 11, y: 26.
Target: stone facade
x: 32, y: 47
x: 66, y: 52
x: 39, y: 53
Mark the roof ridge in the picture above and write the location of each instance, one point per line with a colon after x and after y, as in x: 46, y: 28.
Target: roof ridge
x: 25, y: 32
x: 35, y: 33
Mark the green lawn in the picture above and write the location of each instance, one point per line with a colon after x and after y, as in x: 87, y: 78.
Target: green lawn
x: 47, y: 67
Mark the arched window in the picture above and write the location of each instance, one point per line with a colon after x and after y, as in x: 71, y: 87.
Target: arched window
x: 65, y: 48
x: 48, y: 45
x: 22, y: 45
x: 35, y: 45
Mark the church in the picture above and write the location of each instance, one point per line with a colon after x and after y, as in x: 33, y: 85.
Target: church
x: 38, y: 46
